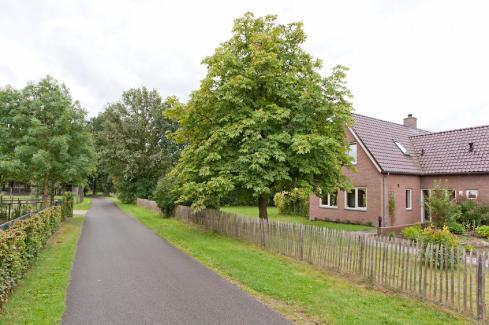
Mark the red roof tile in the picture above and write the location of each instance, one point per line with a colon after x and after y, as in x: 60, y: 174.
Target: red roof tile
x: 443, y: 152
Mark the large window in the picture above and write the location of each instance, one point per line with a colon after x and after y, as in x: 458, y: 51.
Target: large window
x: 356, y: 199
x: 472, y: 194
x: 352, y: 152
x: 329, y: 200
x: 409, y: 199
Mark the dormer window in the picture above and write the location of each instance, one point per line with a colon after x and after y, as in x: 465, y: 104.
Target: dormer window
x: 402, y: 148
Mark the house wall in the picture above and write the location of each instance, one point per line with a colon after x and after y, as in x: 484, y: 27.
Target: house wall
x: 366, y: 176
x: 461, y: 183
x: 397, y: 186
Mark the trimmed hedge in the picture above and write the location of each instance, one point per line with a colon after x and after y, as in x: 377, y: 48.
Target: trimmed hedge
x: 20, y: 244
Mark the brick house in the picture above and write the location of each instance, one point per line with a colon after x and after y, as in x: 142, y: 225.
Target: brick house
x: 396, y: 165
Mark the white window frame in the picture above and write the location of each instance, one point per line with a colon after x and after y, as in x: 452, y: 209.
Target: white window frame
x: 328, y: 204
x: 357, y: 208
x: 354, y: 158
x: 476, y: 194
x: 410, y: 206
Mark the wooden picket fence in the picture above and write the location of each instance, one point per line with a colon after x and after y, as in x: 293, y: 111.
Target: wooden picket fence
x: 448, y: 276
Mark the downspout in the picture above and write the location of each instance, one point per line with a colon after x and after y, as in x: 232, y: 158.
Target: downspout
x: 384, y: 200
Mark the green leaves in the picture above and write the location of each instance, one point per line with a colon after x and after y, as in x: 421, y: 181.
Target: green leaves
x: 263, y: 119
x: 46, y: 133
x: 132, y: 144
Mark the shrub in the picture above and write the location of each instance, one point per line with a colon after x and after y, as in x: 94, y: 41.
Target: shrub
x: 413, y: 232
x: 482, y: 231
x: 456, y: 228
x: 293, y: 202
x: 67, y: 205
x: 165, y: 194
x: 430, y: 235
x: 20, y: 245
x: 473, y: 213
x: 443, y: 208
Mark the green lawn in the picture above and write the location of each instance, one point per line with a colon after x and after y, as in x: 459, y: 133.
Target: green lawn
x: 295, y: 289
x: 250, y: 211
x: 84, y: 205
x: 40, y: 296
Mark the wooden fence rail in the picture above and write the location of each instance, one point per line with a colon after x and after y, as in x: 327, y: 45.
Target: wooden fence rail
x: 448, y: 276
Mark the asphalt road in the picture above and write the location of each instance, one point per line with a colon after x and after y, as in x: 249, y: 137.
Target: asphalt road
x: 125, y: 274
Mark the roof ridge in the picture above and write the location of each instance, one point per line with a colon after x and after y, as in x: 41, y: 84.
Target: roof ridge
x: 399, y: 124
x: 450, y: 131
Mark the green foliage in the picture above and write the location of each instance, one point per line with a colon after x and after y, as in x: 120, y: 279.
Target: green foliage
x: 392, y: 208
x: 443, y: 209
x: 263, y: 119
x: 473, y: 213
x: 40, y: 297
x: 456, y: 228
x: 21, y: 243
x: 295, y: 202
x: 166, y: 195
x: 133, y: 150
x: 67, y: 205
x: 431, y: 235
x: 52, y: 144
x: 413, y: 232
x: 482, y: 231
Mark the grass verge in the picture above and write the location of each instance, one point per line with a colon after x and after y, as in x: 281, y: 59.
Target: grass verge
x: 299, y: 291
x: 40, y: 296
x: 273, y: 214
x: 83, y: 205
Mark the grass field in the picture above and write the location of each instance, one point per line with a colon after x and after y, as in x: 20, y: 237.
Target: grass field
x: 296, y: 289
x: 250, y: 211
x: 40, y: 296
x: 84, y: 205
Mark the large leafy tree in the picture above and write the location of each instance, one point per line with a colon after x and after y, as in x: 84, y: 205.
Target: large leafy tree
x: 10, y: 100
x: 54, y: 145
x: 132, y: 142
x: 263, y: 119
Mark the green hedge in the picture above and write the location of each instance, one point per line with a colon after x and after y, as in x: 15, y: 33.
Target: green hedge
x: 20, y: 244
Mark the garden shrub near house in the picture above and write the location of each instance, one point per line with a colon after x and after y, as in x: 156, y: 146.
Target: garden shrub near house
x: 482, y: 231
x: 456, y: 228
x: 430, y: 235
x: 20, y: 244
x: 295, y: 202
x: 443, y: 208
x: 473, y: 213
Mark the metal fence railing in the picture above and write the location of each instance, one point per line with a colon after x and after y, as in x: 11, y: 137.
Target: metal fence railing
x: 12, y: 210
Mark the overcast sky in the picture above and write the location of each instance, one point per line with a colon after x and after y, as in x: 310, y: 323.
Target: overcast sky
x: 428, y: 58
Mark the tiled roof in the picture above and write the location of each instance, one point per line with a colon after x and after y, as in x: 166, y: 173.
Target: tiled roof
x: 379, y: 136
x: 448, y: 152
x: 427, y: 153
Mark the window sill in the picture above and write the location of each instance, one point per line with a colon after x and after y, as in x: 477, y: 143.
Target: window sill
x: 356, y: 209
x: 328, y: 207
x: 409, y: 209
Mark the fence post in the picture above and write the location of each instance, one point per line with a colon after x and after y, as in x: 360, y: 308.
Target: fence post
x: 480, y: 286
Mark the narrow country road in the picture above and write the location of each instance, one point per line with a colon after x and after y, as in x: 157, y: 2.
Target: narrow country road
x: 125, y: 274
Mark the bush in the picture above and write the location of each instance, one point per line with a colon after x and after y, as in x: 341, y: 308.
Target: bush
x: 482, y: 231
x: 166, y: 194
x: 456, y: 228
x: 413, y: 232
x: 443, y: 208
x: 20, y: 244
x: 473, y: 214
x: 430, y: 235
x: 295, y: 202
x: 67, y: 205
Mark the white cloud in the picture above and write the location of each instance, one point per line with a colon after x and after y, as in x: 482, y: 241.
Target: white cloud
x: 428, y: 58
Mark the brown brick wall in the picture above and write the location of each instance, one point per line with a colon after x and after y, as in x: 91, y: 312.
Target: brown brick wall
x: 397, y: 185
x: 461, y: 183
x: 366, y: 176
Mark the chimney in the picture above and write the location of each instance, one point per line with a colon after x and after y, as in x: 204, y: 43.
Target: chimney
x: 410, y: 121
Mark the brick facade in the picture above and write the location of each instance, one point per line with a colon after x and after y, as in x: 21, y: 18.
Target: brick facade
x: 382, y: 186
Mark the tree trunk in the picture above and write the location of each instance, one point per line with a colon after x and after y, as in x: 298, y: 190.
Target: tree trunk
x: 262, y: 207
x: 45, y: 193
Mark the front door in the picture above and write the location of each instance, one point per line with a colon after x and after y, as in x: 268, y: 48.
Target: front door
x: 425, y: 212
